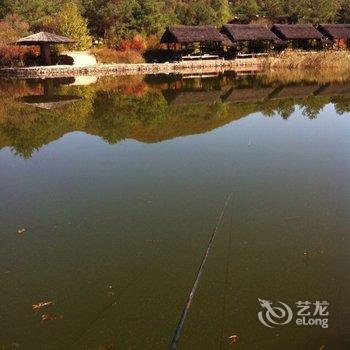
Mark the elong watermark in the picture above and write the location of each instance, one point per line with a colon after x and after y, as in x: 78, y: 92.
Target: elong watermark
x: 307, y: 313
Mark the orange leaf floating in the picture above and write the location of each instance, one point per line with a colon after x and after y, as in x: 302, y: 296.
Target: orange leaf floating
x: 41, y: 305
x: 51, y: 317
x: 233, y: 339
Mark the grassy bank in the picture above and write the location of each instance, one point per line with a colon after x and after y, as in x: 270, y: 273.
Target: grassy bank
x: 335, y: 60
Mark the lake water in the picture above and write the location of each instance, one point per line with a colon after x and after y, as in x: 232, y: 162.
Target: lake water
x: 110, y: 193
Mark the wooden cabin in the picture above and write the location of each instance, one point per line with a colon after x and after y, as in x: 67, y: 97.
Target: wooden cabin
x: 252, y: 38
x: 188, y: 37
x: 303, y: 36
x: 338, y: 34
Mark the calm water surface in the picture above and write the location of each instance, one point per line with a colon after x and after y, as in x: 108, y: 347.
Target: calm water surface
x: 120, y: 183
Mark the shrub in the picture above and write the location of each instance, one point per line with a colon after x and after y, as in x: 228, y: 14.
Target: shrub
x: 137, y: 43
x: 105, y: 55
x: 17, y: 56
x: 153, y: 42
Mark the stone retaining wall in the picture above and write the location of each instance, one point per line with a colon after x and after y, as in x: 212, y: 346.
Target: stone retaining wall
x: 200, y: 66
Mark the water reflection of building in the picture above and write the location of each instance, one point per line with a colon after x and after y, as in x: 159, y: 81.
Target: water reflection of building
x: 169, y: 108
x: 246, y: 94
x: 49, y: 100
x: 178, y: 97
x: 294, y: 91
x: 335, y: 90
x: 241, y: 94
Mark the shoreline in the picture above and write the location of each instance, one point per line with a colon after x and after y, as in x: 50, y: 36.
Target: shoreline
x: 182, y: 67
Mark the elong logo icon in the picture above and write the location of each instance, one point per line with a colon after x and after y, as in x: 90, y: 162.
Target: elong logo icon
x: 282, y: 314
x: 274, y: 315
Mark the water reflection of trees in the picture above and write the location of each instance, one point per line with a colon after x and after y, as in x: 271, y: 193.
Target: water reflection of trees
x: 152, y: 111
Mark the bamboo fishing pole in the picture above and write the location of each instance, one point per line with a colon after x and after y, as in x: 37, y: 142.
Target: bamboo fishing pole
x: 186, y: 309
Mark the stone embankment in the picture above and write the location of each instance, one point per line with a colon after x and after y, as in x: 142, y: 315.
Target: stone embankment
x: 183, y: 67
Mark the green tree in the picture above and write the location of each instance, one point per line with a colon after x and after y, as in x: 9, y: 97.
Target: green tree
x: 122, y: 21
x: 69, y: 22
x: 200, y: 13
x: 246, y: 10
x: 150, y: 17
x: 343, y: 15
x: 272, y: 9
x: 318, y: 11
x: 95, y: 13
x: 223, y: 11
x: 35, y: 12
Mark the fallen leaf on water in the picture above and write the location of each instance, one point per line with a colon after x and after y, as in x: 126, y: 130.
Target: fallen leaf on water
x: 21, y: 230
x: 51, y: 317
x: 41, y: 304
x: 110, y: 294
x: 233, y: 339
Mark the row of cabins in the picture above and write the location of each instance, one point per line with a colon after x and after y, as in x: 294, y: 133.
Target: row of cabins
x: 236, y: 94
x: 236, y: 38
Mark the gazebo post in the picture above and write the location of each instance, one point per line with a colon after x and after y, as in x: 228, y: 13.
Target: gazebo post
x: 48, y: 87
x: 46, y: 54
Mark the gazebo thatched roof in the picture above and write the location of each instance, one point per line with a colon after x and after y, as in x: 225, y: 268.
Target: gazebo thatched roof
x: 44, y: 37
x: 49, y: 102
x: 248, y: 32
x: 335, y: 31
x: 296, y: 31
x: 190, y: 34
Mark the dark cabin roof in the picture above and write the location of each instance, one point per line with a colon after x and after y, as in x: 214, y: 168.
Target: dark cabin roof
x: 296, y: 31
x: 190, y: 34
x: 335, y: 31
x: 191, y: 97
x: 44, y: 37
x: 335, y: 89
x: 294, y: 91
x: 247, y: 32
x: 249, y: 94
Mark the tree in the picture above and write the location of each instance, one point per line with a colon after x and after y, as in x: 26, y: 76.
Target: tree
x: 272, y: 9
x: 69, y: 22
x: 150, y: 17
x: 318, y: 11
x: 122, y: 21
x: 344, y: 11
x: 200, y: 13
x: 35, y: 12
x: 96, y: 13
x: 223, y: 11
x: 246, y: 10
x: 12, y: 27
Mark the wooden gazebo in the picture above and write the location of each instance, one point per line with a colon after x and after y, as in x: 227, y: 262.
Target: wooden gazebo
x: 44, y: 40
x: 253, y: 34
x: 339, y: 34
x: 184, y: 35
x: 49, y: 100
x: 299, y: 35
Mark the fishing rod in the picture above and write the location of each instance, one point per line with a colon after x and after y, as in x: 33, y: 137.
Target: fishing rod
x: 186, y: 309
